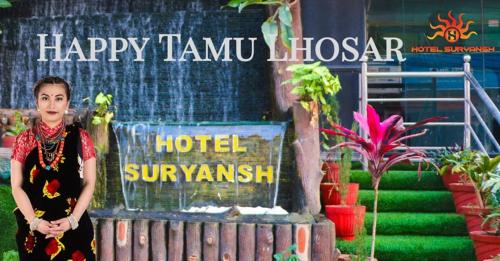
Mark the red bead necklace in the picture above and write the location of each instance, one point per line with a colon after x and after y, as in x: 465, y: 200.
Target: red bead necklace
x: 59, y: 149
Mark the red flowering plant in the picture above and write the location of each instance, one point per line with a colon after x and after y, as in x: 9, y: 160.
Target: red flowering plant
x: 383, y: 148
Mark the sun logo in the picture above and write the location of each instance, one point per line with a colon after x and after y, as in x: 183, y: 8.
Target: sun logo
x: 450, y: 30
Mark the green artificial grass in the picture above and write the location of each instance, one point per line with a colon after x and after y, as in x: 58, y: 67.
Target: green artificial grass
x: 408, y: 201
x: 7, y: 220
x: 414, y: 167
x: 409, y: 248
x: 394, y: 223
x: 400, y: 180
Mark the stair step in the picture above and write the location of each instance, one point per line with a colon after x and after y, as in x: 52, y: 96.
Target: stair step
x: 408, y: 201
x: 411, y: 248
x: 402, y: 223
x: 400, y: 180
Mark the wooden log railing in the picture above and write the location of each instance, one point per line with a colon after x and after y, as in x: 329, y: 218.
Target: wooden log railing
x: 175, y: 240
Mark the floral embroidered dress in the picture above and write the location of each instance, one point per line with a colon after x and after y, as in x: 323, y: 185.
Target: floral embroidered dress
x: 53, y: 194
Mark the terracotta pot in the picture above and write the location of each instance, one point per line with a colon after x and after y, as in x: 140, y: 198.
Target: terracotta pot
x: 8, y: 141
x: 463, y: 195
x: 330, y: 194
x: 474, y: 216
x: 485, y: 245
x: 331, y: 172
x: 346, y: 219
x: 451, y: 177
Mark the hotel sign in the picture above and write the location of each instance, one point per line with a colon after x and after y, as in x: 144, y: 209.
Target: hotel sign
x: 169, y: 167
x: 454, y: 31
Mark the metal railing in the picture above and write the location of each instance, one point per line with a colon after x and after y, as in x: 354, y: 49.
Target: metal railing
x: 469, y: 79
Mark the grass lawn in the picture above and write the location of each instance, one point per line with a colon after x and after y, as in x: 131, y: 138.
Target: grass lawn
x: 7, y: 221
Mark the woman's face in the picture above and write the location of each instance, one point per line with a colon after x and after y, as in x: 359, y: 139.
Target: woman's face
x: 52, y: 102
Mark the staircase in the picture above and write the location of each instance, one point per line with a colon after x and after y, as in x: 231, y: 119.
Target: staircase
x: 416, y: 219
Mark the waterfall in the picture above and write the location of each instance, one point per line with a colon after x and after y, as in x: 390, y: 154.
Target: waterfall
x: 152, y: 90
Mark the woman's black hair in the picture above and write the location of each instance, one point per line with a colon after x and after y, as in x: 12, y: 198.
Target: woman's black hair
x: 51, y: 80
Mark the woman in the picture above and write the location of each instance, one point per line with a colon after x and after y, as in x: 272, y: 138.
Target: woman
x: 53, y: 177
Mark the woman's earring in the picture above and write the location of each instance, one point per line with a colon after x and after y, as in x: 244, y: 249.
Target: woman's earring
x: 66, y: 112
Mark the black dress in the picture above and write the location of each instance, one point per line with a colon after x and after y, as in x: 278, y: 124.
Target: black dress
x: 53, y: 195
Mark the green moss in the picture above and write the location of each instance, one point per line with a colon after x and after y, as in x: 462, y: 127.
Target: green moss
x: 400, y: 180
x: 408, y: 248
x: 442, y: 224
x: 7, y: 220
x: 408, y: 201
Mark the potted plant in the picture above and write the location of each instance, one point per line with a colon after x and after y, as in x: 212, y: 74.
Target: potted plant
x: 487, y: 240
x: 347, y: 216
x: 443, y: 160
x: 485, y: 178
x: 380, y: 148
x: 463, y: 162
x: 330, y: 166
x: 10, y: 135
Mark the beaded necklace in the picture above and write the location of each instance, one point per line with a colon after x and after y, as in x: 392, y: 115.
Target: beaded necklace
x: 50, y: 148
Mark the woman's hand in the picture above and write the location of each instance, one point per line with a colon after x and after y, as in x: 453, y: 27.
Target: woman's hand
x: 58, y: 227
x: 44, y: 227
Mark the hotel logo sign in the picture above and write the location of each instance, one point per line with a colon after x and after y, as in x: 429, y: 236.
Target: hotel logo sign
x: 452, y: 29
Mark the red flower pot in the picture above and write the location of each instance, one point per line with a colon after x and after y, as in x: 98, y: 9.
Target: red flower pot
x: 8, y: 141
x: 347, y: 219
x: 451, y: 177
x: 330, y: 194
x: 331, y: 170
x: 474, y: 217
x: 485, y: 245
x: 463, y: 195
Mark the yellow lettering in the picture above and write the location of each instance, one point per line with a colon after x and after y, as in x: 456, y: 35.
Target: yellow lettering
x: 228, y: 172
x: 131, y: 172
x: 188, y: 172
x: 145, y: 173
x: 236, y: 145
x: 168, y: 172
x: 203, y: 141
x: 160, y: 143
x: 221, y: 140
x: 187, y: 146
x: 244, y: 173
x: 204, y: 173
x: 268, y: 174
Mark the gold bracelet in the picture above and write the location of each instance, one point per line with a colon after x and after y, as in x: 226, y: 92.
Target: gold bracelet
x: 72, y: 221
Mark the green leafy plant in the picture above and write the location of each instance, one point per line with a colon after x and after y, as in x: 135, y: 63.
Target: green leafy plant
x: 380, y: 148
x: 287, y: 255
x: 10, y: 255
x: 360, y: 250
x: 102, y: 115
x: 18, y: 127
x: 485, y: 177
x: 492, y: 184
x: 270, y: 27
x: 5, y: 4
x: 313, y: 82
x: 327, y: 141
x: 463, y: 161
x: 344, y: 173
x: 441, y: 156
x: 493, y: 220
